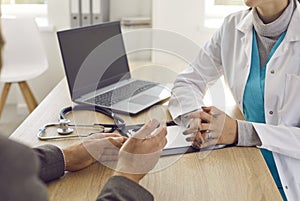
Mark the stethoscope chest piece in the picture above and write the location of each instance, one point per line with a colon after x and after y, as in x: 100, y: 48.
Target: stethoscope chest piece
x: 64, y: 128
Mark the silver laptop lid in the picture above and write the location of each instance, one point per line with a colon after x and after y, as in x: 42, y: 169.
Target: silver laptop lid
x: 94, y: 57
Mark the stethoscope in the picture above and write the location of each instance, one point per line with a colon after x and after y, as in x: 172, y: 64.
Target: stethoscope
x: 65, y: 129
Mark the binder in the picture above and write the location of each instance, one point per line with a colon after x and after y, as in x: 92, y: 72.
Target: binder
x: 96, y: 14
x: 88, y: 12
x: 85, y: 12
x: 104, y: 10
x: 75, y: 14
x: 177, y: 144
x: 190, y: 149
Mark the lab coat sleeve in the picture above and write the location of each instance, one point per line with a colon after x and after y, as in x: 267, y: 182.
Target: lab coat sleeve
x: 191, y: 84
x: 279, y: 139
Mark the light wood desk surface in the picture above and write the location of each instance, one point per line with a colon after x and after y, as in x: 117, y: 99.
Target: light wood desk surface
x: 227, y: 174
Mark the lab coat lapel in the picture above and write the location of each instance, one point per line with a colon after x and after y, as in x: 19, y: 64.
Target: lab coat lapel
x: 293, y: 31
x: 292, y: 34
x: 245, y: 27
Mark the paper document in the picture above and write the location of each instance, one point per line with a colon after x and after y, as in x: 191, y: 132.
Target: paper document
x: 175, y: 137
x: 177, y: 143
x: 177, y: 140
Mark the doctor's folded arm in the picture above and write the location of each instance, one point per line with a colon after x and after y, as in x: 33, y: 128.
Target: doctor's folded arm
x: 258, y: 53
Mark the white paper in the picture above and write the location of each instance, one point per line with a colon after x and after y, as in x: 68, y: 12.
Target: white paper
x: 175, y: 137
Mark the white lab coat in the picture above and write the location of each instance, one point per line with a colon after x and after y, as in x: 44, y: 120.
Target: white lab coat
x: 228, y: 53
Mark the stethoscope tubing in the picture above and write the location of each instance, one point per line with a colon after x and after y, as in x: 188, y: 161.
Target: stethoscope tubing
x: 119, y: 124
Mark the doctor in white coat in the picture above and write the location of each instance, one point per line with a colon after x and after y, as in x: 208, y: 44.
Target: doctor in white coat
x: 258, y: 53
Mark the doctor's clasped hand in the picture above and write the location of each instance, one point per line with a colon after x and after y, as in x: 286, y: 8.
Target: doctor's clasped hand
x: 211, y: 126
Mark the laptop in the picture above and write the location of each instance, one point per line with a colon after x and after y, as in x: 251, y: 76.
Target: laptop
x: 97, y: 70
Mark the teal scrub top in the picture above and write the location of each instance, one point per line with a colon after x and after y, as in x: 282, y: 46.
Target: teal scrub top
x: 253, y: 101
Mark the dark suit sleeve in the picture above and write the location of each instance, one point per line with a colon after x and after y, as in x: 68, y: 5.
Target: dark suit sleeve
x: 19, y: 168
x: 117, y: 188
x: 120, y: 188
x: 52, y: 163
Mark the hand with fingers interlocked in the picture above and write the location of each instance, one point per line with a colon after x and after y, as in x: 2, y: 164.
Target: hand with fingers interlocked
x: 211, y: 126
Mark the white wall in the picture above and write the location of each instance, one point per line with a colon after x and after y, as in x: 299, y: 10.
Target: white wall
x: 58, y: 16
x: 129, y: 8
x: 184, y: 17
x: 186, y: 20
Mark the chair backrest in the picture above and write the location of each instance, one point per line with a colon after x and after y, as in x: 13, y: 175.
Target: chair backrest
x: 23, y: 50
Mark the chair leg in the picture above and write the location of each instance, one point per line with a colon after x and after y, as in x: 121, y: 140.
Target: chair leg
x: 28, y: 96
x: 4, y: 96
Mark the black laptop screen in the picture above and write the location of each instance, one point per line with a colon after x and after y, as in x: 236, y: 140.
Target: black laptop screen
x: 93, y: 57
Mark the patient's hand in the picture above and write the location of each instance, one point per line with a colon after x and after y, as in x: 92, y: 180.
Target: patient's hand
x: 99, y: 147
x: 141, y: 152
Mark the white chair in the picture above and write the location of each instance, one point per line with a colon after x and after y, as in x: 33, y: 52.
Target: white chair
x: 24, y: 57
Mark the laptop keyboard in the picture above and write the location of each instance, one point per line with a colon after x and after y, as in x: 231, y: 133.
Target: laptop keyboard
x: 114, y: 96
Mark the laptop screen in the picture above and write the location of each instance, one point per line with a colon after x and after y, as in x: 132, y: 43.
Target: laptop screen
x: 93, y: 56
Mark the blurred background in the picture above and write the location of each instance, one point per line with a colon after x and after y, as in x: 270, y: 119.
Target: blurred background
x: 193, y: 19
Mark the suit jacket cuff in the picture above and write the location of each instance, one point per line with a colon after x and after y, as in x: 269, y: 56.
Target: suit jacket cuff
x: 52, y: 165
x: 121, y: 188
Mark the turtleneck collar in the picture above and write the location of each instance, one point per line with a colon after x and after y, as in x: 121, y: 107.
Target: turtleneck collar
x: 277, y: 27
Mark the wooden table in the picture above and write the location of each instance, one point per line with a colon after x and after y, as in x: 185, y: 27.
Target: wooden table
x: 227, y: 174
